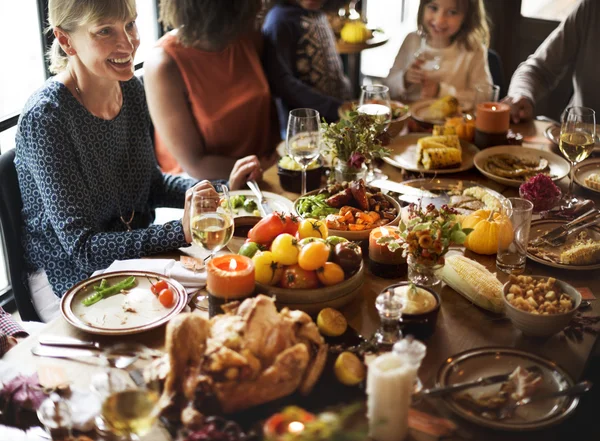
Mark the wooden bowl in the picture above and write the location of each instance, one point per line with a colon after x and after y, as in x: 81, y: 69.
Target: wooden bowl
x: 356, y: 235
x: 312, y: 301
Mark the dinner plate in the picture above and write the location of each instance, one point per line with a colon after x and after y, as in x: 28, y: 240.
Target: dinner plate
x: 482, y: 362
x: 552, y: 133
x: 136, y: 311
x: 420, y: 112
x: 584, y: 169
x: 541, y: 226
x: 559, y: 166
x: 276, y: 202
x: 404, y: 155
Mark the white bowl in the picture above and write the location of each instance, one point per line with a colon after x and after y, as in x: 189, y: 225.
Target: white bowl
x: 542, y: 325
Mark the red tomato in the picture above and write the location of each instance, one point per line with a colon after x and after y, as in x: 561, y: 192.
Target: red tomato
x: 158, y: 287
x: 296, y: 278
x: 267, y: 229
x: 166, y: 297
x: 291, y: 222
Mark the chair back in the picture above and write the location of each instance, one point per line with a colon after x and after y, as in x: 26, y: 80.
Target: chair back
x: 11, y: 223
x: 497, y: 72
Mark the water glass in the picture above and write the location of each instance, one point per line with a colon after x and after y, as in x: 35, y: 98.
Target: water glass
x: 486, y: 93
x: 512, y: 254
x: 303, y: 139
x: 375, y: 101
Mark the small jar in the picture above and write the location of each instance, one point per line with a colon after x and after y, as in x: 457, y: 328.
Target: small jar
x: 342, y: 172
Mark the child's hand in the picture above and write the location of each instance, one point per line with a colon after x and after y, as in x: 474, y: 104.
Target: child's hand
x: 429, y: 89
x: 414, y: 74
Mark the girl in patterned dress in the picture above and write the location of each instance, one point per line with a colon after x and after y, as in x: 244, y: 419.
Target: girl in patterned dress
x: 86, y: 167
x: 456, y: 34
x: 301, y: 61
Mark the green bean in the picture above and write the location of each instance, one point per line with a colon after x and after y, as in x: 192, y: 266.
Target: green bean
x: 128, y: 283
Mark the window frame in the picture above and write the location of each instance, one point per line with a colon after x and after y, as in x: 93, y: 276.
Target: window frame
x: 8, y: 122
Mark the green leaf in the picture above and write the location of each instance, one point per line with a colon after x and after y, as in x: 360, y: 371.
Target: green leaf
x: 467, y: 231
x: 458, y: 237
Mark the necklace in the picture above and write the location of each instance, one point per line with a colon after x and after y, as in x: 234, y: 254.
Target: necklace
x: 127, y: 223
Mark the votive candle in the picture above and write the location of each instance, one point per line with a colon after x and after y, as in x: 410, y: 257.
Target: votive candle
x: 493, y: 117
x: 230, y: 276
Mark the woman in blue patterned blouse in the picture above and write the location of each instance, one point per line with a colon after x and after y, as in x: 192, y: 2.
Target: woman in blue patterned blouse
x: 84, y: 157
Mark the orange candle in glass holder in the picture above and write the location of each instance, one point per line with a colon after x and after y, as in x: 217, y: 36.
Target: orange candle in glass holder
x: 230, y: 276
x: 382, y: 261
x: 493, y: 117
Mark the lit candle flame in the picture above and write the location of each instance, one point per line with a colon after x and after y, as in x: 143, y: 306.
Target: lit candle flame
x: 295, y: 427
x: 232, y: 265
x: 494, y: 108
x: 384, y: 231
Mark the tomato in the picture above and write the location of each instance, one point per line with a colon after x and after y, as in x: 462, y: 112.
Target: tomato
x: 249, y: 249
x: 349, y: 256
x: 266, y: 269
x: 312, y: 228
x: 308, y: 240
x: 166, y: 297
x: 291, y: 222
x: 313, y: 256
x: 285, y: 249
x: 267, y: 229
x: 330, y: 274
x: 334, y: 240
x: 158, y: 287
x: 295, y: 277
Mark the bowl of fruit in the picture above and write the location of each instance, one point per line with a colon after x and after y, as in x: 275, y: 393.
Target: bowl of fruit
x: 301, y: 265
x: 290, y: 174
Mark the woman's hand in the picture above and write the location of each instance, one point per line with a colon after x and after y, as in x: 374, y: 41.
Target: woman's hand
x: 202, y: 188
x: 521, y: 108
x: 244, y: 170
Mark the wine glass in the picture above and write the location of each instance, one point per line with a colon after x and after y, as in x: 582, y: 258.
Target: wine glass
x: 577, y: 140
x: 375, y: 101
x: 211, y: 225
x: 303, y: 140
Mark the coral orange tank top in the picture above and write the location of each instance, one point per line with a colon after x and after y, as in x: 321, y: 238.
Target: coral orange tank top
x: 229, y: 97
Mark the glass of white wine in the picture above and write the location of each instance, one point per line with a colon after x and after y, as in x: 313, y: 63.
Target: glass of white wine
x: 303, y: 140
x: 375, y: 101
x: 577, y: 140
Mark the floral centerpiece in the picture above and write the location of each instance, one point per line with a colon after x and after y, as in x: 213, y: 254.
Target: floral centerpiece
x: 353, y: 140
x: 425, y: 237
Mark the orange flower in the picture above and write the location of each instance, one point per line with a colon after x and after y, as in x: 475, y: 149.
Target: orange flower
x: 425, y: 241
x: 437, y: 247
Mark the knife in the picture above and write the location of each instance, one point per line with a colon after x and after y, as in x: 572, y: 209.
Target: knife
x: 265, y: 209
x: 69, y: 342
x: 483, y: 381
x: 397, y: 187
x: 554, y: 233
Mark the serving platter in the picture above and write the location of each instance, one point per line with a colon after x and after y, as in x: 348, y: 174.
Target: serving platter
x: 541, y: 226
x: 404, y: 155
x: 136, y: 311
x: 483, y: 362
x: 585, y: 169
x: 559, y: 167
x: 552, y: 133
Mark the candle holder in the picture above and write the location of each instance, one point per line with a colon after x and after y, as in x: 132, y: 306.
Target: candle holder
x: 382, y: 261
x: 228, y: 277
x: 492, y: 124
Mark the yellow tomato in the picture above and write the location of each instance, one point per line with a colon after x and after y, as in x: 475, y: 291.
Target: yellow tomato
x: 285, y: 249
x: 312, y: 228
x: 266, y: 268
x: 313, y: 256
x: 330, y: 274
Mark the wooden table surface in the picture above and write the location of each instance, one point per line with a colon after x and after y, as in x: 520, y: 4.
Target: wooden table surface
x: 461, y: 325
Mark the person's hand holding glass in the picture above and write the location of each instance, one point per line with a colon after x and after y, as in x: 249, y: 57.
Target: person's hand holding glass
x: 577, y: 141
x: 375, y: 101
x: 303, y: 140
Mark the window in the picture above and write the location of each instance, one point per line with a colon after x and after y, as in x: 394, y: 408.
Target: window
x: 555, y: 10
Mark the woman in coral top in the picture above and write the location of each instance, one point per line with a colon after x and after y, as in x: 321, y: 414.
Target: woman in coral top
x: 207, y: 93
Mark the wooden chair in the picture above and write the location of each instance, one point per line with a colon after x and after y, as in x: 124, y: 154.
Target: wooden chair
x: 11, y: 223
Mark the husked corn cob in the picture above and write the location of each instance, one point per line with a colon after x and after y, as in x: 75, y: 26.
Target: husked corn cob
x: 490, y: 201
x: 473, y: 281
x: 593, y: 181
x: 441, y: 158
x: 444, y: 130
x: 582, y: 253
x: 436, y: 142
x: 443, y: 107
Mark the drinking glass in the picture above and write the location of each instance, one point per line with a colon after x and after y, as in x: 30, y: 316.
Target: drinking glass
x: 577, y: 140
x: 211, y: 225
x: 485, y: 93
x: 512, y: 254
x: 303, y: 140
x: 375, y: 101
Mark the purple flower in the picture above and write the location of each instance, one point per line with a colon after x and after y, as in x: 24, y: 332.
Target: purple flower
x: 356, y: 160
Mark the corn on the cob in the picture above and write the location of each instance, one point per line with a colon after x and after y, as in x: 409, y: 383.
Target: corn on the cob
x: 473, y: 281
x: 593, y: 181
x: 441, y: 158
x: 490, y: 201
x: 444, y: 130
x: 436, y: 142
x: 582, y: 253
x: 443, y: 107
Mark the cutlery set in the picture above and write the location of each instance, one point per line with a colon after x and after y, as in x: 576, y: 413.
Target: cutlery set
x: 558, y: 236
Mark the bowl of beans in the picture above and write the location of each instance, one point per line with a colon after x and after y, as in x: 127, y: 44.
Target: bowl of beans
x: 540, y: 306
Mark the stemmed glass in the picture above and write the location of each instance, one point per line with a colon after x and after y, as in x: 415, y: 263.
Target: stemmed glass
x: 303, y: 140
x: 375, y: 101
x: 211, y: 225
x: 577, y: 140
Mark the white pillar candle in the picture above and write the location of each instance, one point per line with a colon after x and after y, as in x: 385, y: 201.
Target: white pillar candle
x: 390, y: 383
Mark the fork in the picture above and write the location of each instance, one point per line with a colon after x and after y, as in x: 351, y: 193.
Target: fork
x: 549, y: 235
x: 562, y: 237
x: 578, y: 389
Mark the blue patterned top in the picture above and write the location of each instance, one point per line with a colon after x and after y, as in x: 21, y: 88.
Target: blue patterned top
x: 78, y: 174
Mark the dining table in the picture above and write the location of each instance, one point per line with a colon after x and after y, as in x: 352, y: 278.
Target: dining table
x: 461, y: 325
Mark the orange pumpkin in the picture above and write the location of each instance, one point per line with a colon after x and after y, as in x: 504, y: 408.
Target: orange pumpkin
x: 489, y: 228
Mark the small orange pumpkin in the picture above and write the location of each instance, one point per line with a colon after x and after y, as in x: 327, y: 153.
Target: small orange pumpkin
x: 489, y: 228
